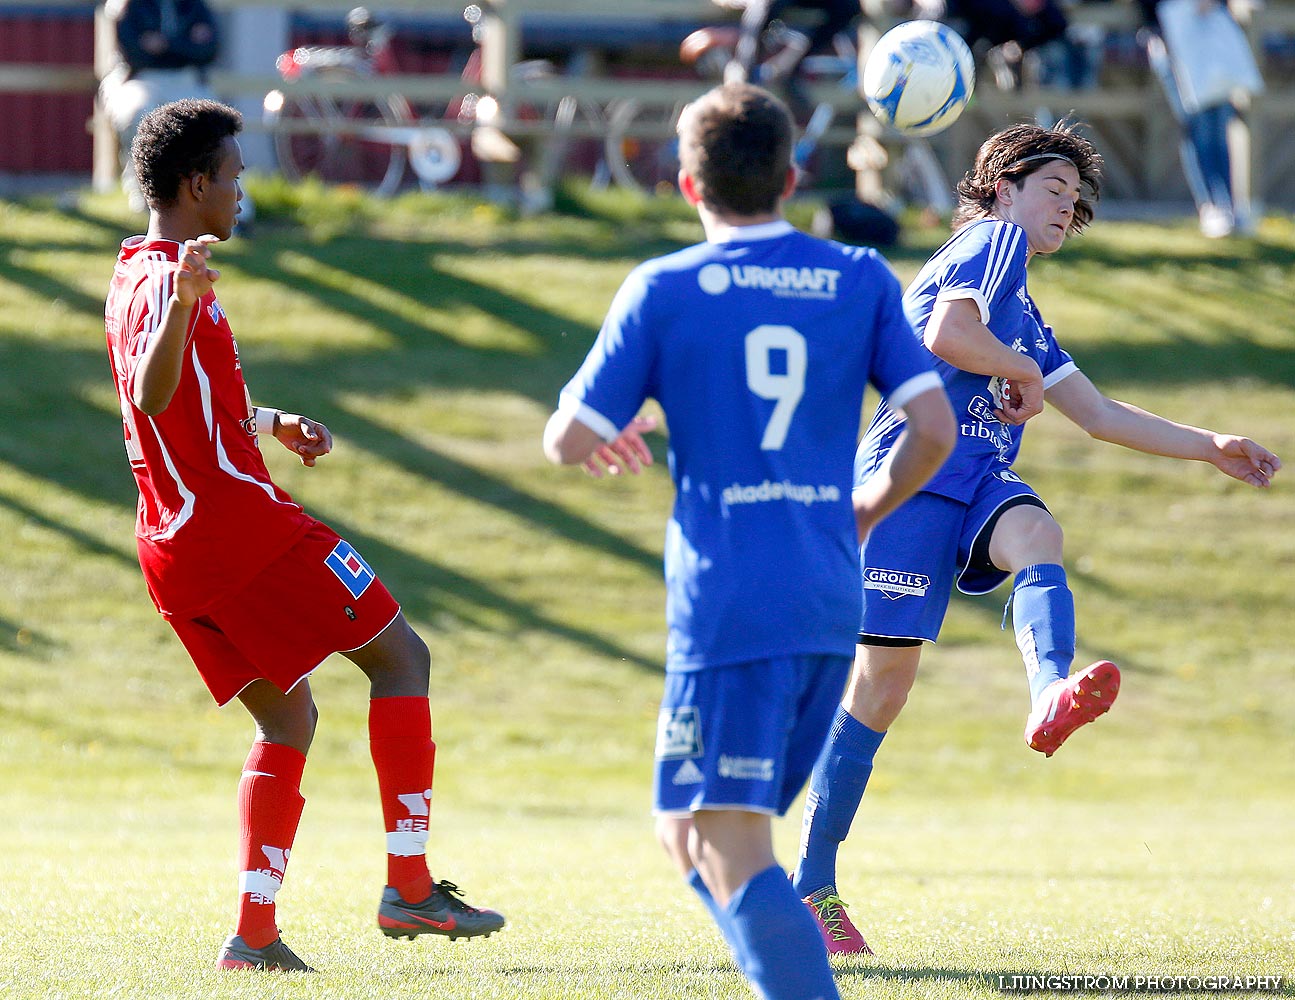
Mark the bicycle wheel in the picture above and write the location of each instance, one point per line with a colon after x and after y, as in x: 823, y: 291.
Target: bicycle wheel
x: 642, y: 148
x: 575, y: 143
x: 340, y: 139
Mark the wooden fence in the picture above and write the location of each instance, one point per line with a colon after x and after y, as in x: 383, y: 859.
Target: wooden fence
x: 1129, y: 116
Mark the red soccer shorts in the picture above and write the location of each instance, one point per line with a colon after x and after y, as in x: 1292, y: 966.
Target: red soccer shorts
x: 318, y: 598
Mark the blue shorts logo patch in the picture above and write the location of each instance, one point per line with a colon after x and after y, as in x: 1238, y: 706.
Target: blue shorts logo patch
x: 350, y: 568
x: 678, y: 733
x: 895, y: 584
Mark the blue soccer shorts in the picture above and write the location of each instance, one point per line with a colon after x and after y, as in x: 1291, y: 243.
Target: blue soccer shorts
x: 912, y: 558
x: 744, y: 736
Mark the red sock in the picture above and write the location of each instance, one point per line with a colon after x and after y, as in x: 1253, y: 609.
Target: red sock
x: 400, y: 740
x: 269, y: 808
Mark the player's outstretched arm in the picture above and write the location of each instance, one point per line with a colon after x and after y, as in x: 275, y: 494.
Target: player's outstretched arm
x: 309, y: 439
x: 1124, y: 424
x: 569, y: 441
x: 928, y: 438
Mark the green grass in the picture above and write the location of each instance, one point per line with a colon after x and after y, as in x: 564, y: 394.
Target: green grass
x: 432, y: 335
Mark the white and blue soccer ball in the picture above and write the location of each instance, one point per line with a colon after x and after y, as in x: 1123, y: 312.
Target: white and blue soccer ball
x: 919, y: 76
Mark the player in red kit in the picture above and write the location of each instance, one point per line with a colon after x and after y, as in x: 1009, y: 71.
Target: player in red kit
x: 259, y: 592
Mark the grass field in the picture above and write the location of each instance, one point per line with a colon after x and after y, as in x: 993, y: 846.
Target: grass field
x: 432, y: 336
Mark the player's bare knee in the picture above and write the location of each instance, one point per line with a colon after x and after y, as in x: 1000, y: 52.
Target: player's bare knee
x: 1045, y: 537
x: 879, y: 704
x: 1026, y: 536
x: 292, y: 723
x: 672, y: 833
x: 416, y: 660
x: 879, y: 686
x: 397, y: 663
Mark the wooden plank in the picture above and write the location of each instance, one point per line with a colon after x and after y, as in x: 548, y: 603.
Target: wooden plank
x: 46, y: 79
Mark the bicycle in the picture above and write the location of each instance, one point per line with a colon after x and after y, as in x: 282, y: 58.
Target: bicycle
x: 642, y: 144
x: 370, y: 141
x: 642, y: 147
x: 365, y: 141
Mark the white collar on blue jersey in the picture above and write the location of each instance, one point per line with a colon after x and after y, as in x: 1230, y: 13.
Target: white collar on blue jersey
x: 749, y: 234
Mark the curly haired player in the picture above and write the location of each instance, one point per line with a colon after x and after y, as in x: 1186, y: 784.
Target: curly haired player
x: 259, y: 592
x: 976, y: 520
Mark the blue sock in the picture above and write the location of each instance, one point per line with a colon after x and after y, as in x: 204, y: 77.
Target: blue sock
x: 781, y: 949
x: 835, y: 791
x: 1043, y: 616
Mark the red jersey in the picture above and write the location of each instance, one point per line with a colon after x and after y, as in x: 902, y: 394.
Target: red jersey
x: 209, y: 517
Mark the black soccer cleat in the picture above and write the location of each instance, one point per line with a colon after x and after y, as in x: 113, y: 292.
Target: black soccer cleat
x: 276, y: 956
x: 440, y: 913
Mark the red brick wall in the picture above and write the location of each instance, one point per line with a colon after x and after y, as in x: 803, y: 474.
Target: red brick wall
x: 46, y: 133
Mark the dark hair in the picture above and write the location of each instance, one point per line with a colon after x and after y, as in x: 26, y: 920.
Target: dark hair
x: 178, y: 140
x: 1019, y: 151
x: 735, y: 142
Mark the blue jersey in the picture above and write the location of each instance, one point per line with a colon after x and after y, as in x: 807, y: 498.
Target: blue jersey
x: 758, y: 349
x: 985, y: 262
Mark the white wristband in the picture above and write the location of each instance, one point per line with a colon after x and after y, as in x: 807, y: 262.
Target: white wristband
x: 266, y: 419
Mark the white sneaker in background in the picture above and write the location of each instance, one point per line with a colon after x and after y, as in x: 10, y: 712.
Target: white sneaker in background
x: 1216, y: 222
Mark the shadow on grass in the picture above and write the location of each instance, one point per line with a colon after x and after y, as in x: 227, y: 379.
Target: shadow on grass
x: 79, y: 449
x: 86, y: 542
x: 493, y: 491
x: 24, y: 640
x: 428, y: 588
x: 426, y: 355
x: 49, y: 287
x: 60, y: 437
x: 79, y: 733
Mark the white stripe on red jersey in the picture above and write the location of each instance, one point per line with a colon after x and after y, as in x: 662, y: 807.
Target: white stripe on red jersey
x: 209, y: 516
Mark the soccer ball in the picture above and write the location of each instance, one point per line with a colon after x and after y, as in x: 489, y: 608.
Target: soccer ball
x: 919, y: 77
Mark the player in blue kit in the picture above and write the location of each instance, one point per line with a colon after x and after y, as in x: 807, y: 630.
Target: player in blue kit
x: 758, y: 345
x: 975, y: 519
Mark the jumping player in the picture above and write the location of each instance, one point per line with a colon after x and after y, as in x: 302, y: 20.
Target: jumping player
x: 259, y: 592
x: 976, y: 520
x: 758, y: 345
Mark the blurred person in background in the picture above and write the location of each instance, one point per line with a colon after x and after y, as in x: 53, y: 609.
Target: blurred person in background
x: 999, y: 32
x: 1203, y: 61
x: 758, y: 16
x: 1075, y: 59
x: 164, y: 48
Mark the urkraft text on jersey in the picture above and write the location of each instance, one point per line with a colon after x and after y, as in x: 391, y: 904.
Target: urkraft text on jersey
x: 800, y: 279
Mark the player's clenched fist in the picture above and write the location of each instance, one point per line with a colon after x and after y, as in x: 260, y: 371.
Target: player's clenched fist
x: 193, y: 278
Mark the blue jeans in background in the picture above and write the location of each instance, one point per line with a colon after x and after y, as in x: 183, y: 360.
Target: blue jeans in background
x: 1208, y: 131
